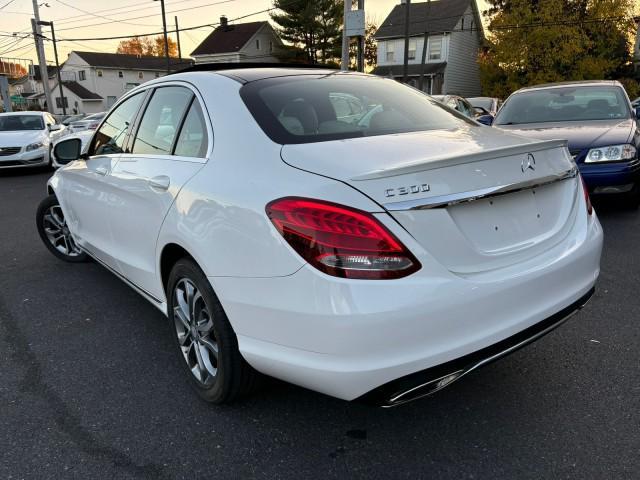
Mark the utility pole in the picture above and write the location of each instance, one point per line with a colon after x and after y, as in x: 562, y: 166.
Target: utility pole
x: 405, y: 67
x: 178, y: 38
x: 361, y: 39
x: 424, y: 49
x: 345, y: 38
x: 166, y: 39
x: 55, y: 53
x: 37, y: 34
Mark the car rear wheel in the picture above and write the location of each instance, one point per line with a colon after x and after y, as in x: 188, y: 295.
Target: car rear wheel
x: 206, y: 343
x: 54, y: 232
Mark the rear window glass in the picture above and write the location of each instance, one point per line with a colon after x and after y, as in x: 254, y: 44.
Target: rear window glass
x: 315, y: 108
x: 564, y: 104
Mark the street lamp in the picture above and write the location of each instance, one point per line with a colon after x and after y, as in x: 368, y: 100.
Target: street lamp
x: 166, y: 39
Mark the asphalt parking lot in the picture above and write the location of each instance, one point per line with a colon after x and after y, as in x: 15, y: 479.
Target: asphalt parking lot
x: 90, y: 387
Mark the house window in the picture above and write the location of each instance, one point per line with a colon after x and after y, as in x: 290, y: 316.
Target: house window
x: 270, y: 46
x: 390, y: 51
x: 258, y: 44
x: 59, y: 103
x: 435, y: 49
x: 140, y: 75
x: 413, y: 45
x: 120, y: 75
x: 82, y: 75
x: 99, y: 72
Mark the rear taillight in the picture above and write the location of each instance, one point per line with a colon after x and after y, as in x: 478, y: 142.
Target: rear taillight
x: 586, y: 196
x: 341, y: 241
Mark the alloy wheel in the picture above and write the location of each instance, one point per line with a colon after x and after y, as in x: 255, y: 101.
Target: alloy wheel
x: 57, y: 232
x: 194, y: 328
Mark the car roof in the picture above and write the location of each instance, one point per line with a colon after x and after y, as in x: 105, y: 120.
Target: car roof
x: 249, y: 72
x: 577, y: 83
x: 22, y: 113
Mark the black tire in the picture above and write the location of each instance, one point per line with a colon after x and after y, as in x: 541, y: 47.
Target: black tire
x: 233, y: 377
x: 634, y: 198
x: 50, y: 219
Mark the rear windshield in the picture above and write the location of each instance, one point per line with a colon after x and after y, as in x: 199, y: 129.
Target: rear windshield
x: 13, y: 123
x: 314, y: 108
x: 564, y: 104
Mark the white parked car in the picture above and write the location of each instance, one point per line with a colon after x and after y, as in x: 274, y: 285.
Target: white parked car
x: 26, y: 138
x: 83, y: 135
x: 379, y: 260
x: 90, y: 122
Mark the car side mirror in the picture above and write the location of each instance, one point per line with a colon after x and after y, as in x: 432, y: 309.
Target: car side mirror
x: 68, y: 150
x: 55, y: 127
x: 485, y: 119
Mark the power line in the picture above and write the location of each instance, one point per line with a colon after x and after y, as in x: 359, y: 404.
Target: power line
x: 102, y: 16
x: 7, y: 4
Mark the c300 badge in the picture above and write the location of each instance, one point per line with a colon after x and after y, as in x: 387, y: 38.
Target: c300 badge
x: 409, y: 190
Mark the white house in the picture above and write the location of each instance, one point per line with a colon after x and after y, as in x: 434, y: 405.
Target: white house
x: 454, y: 36
x: 92, y: 81
x: 239, y: 42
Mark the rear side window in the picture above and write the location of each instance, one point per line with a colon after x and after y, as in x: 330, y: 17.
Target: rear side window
x: 315, y: 108
x: 192, y: 141
x: 161, y: 120
x: 111, y: 136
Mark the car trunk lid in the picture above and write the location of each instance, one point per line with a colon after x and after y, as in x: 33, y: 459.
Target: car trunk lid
x: 475, y: 199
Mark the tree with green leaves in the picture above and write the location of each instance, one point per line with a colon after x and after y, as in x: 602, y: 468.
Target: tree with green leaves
x: 311, y: 28
x: 538, y: 41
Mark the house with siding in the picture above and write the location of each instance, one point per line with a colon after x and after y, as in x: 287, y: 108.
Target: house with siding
x: 92, y: 81
x: 453, y: 33
x: 239, y: 42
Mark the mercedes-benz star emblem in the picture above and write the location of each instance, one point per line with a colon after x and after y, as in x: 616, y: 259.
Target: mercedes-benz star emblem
x: 529, y: 163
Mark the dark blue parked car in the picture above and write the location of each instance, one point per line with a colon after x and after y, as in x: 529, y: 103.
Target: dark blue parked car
x: 597, y: 119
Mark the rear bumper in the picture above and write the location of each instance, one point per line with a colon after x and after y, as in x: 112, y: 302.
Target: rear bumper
x: 426, y: 382
x: 346, y: 338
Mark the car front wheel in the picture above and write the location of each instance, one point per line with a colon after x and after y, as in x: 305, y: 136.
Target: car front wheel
x: 206, y: 343
x: 54, y: 232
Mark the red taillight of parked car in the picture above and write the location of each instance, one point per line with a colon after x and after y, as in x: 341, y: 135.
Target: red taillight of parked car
x: 341, y: 241
x: 586, y: 196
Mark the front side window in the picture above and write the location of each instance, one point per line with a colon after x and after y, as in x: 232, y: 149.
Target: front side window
x: 435, y: 49
x: 113, y: 132
x: 15, y: 123
x: 161, y: 120
x: 314, y: 108
x: 192, y: 141
x: 565, y: 104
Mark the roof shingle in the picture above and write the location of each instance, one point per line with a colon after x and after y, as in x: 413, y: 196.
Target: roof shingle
x: 80, y: 91
x: 443, y: 15
x: 229, y: 39
x: 132, y: 62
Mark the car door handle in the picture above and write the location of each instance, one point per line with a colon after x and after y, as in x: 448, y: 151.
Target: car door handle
x: 101, y: 170
x: 161, y: 182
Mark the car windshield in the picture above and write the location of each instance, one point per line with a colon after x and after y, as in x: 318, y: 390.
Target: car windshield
x: 14, y: 123
x: 315, y: 108
x: 564, y: 104
x: 482, y: 102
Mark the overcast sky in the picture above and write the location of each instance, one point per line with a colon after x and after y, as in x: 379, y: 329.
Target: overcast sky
x: 141, y: 16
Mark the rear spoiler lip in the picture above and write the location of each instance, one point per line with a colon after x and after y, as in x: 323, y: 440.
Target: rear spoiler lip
x: 448, y: 161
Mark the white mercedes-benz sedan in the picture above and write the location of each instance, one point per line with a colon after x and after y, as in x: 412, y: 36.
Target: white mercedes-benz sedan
x: 339, y: 231
x: 26, y: 138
